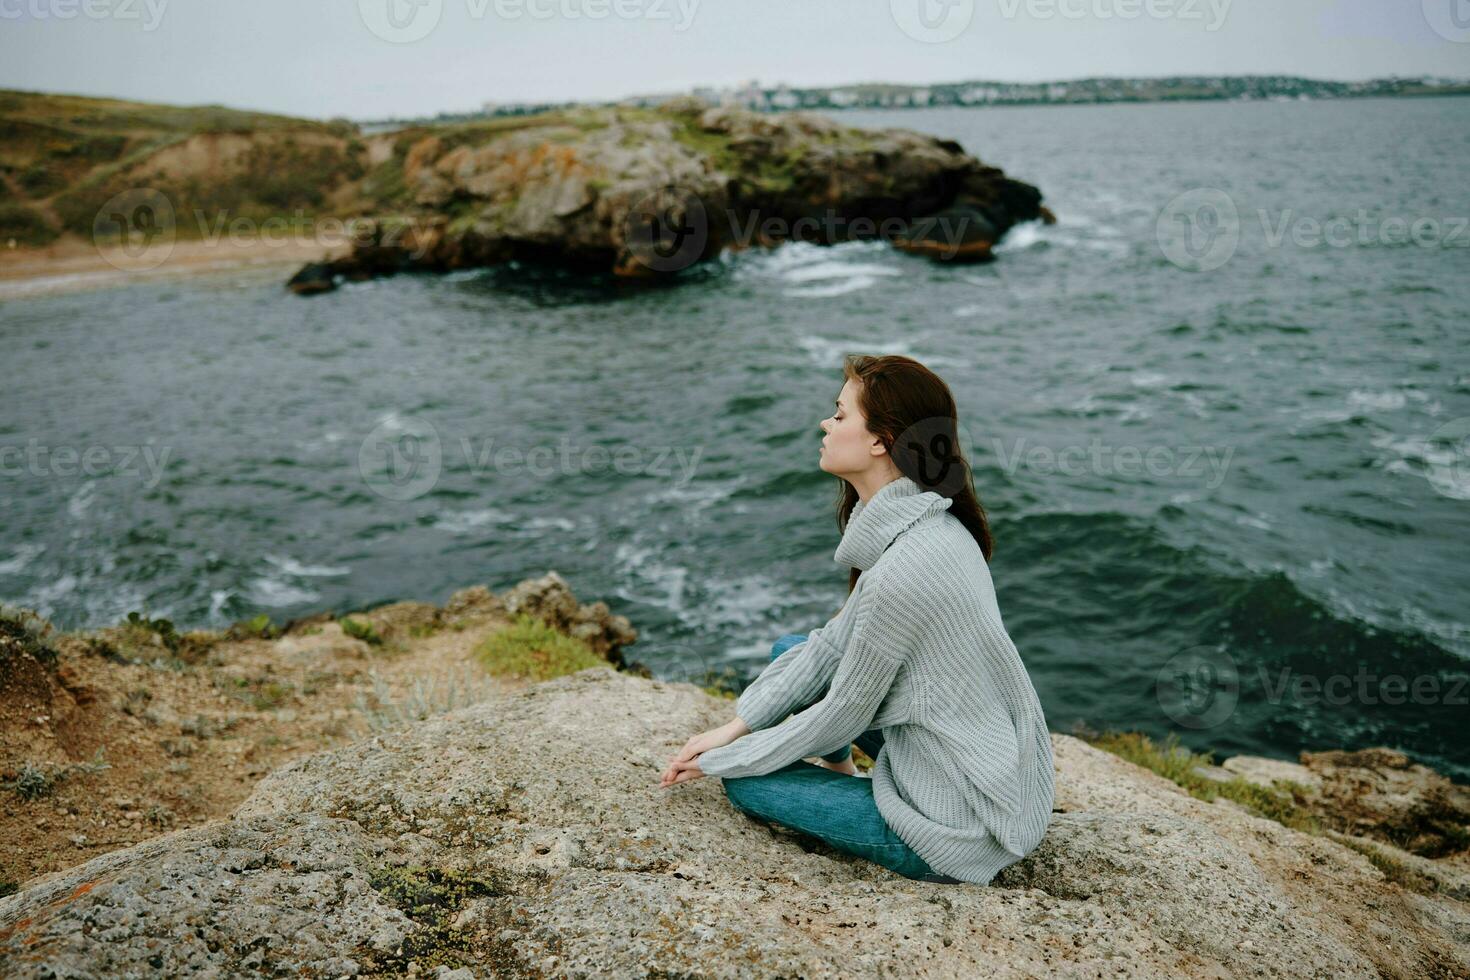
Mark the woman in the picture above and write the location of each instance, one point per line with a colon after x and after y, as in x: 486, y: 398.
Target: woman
x: 916, y: 666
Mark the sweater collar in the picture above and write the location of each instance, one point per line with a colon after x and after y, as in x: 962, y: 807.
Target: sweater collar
x: 875, y: 522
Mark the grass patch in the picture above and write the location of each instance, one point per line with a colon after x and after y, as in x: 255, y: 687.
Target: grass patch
x: 24, y: 632
x: 32, y: 782
x: 1392, y: 868
x: 259, y: 628
x: 721, y: 683
x: 1177, y: 764
x: 261, y: 693
x: 530, y: 648
x: 360, y: 630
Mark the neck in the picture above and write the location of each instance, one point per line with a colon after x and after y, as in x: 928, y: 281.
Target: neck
x: 867, y: 484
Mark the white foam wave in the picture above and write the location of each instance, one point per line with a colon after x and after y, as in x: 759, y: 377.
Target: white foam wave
x: 81, y: 501
x: 275, y: 592
x: 1380, y: 400
x: 836, y: 270
x: 828, y: 353
x: 1446, y: 466
x: 21, y: 558
x: 291, y: 566
x: 650, y: 580
x: 831, y: 289
x: 464, y: 521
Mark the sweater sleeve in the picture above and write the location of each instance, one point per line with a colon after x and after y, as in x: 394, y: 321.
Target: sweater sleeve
x: 796, y: 678
x: 864, y: 674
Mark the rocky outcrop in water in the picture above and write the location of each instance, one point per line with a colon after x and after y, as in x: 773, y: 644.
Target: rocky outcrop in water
x: 647, y: 194
x: 526, y: 836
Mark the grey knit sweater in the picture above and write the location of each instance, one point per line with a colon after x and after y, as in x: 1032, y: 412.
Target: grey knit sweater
x: 965, y: 775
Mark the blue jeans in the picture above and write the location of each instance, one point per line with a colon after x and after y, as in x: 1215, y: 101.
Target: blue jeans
x: 834, y: 808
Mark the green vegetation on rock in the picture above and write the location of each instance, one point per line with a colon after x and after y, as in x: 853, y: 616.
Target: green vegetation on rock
x: 529, y: 648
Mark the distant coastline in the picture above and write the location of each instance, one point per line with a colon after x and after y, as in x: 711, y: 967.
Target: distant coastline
x: 974, y: 94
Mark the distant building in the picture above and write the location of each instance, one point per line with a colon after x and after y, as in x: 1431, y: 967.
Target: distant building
x: 784, y: 98
x: 750, y: 95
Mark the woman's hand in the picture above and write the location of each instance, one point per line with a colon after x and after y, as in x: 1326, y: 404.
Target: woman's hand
x: 680, y: 772
x: 683, y: 767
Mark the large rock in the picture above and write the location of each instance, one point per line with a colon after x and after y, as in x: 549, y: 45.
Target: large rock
x: 527, y: 836
x: 550, y: 599
x: 646, y: 193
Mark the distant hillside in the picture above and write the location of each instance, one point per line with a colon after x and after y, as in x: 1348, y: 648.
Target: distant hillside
x: 62, y: 157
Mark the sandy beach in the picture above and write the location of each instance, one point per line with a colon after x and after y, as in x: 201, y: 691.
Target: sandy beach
x: 73, y: 264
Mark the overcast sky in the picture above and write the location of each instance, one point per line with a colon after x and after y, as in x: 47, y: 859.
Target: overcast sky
x: 375, y: 58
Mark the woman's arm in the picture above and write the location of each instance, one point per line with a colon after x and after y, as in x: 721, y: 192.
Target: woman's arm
x: 862, y: 680
x: 883, y: 638
x: 794, y: 679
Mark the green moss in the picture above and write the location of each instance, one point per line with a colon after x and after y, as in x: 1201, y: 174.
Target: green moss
x: 762, y: 174
x: 1177, y: 763
x: 530, y: 648
x: 430, y: 897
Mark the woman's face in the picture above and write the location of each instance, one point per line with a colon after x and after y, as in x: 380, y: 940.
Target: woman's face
x: 847, y: 447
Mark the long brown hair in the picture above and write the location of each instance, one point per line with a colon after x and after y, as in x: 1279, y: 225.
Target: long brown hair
x: 912, y: 411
